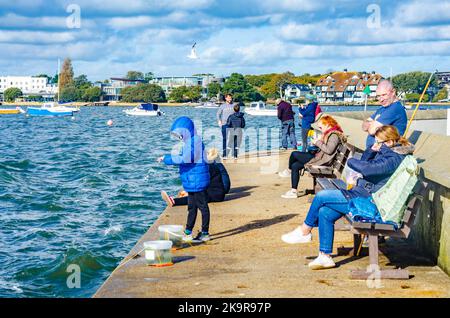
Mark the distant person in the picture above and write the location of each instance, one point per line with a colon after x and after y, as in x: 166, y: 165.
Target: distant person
x: 286, y: 116
x: 194, y: 173
x: 308, y: 115
x: 225, y: 111
x: 219, y: 184
x: 235, y: 124
x: 332, y: 136
x: 392, y: 112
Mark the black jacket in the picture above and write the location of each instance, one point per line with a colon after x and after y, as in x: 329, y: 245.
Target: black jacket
x: 236, y: 120
x: 219, y: 183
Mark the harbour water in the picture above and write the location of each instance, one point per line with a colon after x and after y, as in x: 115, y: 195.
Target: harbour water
x: 76, y: 191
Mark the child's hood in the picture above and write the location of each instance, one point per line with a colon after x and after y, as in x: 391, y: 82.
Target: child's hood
x: 184, y: 126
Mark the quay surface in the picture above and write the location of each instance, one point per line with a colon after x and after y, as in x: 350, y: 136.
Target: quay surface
x: 246, y: 257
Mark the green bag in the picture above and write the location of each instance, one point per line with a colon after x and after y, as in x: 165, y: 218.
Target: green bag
x: 391, y: 198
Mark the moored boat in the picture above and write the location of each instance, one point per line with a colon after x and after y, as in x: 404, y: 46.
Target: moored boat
x: 147, y: 109
x: 50, y: 109
x: 11, y: 111
x: 209, y: 105
x: 259, y: 109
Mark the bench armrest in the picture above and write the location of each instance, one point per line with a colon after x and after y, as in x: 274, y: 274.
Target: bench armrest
x: 319, y: 169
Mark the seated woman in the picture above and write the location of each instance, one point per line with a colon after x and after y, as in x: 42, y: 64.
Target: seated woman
x: 332, y: 137
x: 376, y: 166
x: 218, y: 187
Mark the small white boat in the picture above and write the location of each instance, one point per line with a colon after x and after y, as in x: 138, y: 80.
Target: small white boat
x: 209, y: 105
x: 144, y: 110
x: 259, y: 109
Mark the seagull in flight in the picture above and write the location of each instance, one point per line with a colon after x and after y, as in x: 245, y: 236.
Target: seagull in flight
x: 193, y: 55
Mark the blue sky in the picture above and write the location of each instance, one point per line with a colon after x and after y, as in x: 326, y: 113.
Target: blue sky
x: 245, y: 36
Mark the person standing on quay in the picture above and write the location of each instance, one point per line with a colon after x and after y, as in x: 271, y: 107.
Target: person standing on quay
x: 225, y: 111
x: 286, y: 116
x: 308, y: 115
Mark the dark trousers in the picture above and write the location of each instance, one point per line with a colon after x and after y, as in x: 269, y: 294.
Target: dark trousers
x: 184, y: 200
x: 305, y: 139
x: 288, y: 130
x: 198, y: 200
x: 297, y: 162
x: 224, y: 141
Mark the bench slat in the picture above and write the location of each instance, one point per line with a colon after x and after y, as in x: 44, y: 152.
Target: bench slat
x: 325, y: 183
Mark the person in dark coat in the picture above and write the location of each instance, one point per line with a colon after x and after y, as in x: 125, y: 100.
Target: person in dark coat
x: 236, y: 124
x: 375, y: 168
x: 194, y: 173
x: 286, y: 116
x: 308, y: 115
x: 219, y: 184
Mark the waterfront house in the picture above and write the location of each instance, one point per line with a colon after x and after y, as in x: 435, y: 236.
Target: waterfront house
x: 112, y: 90
x: 168, y: 83
x: 346, y: 87
x: 31, y: 86
x: 294, y: 91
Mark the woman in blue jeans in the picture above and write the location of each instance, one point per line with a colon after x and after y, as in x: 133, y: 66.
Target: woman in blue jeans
x: 375, y: 167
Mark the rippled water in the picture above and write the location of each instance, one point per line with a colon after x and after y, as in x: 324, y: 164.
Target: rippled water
x: 75, y: 191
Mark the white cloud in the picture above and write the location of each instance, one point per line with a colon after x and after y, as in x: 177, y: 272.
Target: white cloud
x: 423, y: 12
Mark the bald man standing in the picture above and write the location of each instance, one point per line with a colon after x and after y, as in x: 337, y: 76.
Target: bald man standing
x: 392, y: 112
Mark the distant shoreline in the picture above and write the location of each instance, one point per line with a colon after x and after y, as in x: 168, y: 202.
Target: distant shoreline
x: 114, y: 104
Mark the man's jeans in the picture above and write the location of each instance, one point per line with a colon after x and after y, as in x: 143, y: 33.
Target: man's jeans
x: 224, y: 141
x: 288, y: 129
x: 327, y: 207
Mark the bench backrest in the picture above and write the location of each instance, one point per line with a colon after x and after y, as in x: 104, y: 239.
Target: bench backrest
x: 344, y: 152
x: 413, y: 207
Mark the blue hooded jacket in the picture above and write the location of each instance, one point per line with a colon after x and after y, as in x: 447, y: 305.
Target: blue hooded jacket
x: 194, y: 171
x: 376, y: 167
x: 309, y: 115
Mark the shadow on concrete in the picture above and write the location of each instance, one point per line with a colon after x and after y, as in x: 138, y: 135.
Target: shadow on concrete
x: 254, y: 225
x: 181, y: 259
x: 242, y: 189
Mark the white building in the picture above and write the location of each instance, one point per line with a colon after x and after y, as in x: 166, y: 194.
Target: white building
x: 29, y: 85
x: 293, y: 91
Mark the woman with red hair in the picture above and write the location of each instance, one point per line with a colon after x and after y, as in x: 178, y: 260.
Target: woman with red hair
x: 332, y: 136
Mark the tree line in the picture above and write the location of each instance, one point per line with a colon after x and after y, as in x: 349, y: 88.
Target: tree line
x: 245, y: 88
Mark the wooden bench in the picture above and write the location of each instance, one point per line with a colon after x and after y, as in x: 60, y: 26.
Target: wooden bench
x: 373, y: 230
x: 344, y: 152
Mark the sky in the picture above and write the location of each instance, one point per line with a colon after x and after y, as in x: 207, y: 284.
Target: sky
x: 108, y: 38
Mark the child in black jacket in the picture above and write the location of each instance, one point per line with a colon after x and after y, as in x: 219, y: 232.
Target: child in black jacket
x: 236, y: 124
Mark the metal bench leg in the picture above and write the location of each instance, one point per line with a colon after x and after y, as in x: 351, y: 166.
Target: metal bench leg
x: 374, y: 271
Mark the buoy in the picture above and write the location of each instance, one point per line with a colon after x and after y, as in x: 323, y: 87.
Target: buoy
x: 109, y: 122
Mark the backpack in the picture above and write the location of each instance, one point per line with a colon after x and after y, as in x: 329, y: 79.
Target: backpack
x: 318, y: 111
x: 391, y: 198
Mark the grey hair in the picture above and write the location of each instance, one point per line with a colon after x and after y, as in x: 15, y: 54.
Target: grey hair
x: 386, y: 83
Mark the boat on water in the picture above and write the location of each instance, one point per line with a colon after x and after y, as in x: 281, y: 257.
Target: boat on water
x: 212, y: 105
x: 11, y: 111
x: 260, y: 109
x: 50, y: 109
x: 147, y: 109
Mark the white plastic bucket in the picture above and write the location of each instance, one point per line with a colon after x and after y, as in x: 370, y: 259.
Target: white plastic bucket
x: 172, y: 233
x: 158, y: 253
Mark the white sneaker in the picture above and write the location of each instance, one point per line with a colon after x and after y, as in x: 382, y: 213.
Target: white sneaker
x: 284, y: 174
x: 322, y: 262
x: 291, y: 194
x: 296, y: 237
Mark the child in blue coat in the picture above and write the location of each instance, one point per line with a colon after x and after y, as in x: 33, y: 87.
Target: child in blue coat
x: 194, y: 173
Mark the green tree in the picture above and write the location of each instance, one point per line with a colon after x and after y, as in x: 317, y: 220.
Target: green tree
x: 241, y: 89
x: 148, y: 93
x: 194, y: 93
x: 442, y: 94
x: 135, y: 75
x: 179, y: 94
x: 10, y: 94
x: 148, y: 76
x: 414, y: 97
x: 70, y: 93
x: 82, y: 82
x: 214, y: 89
x: 412, y: 82
x: 92, y: 94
